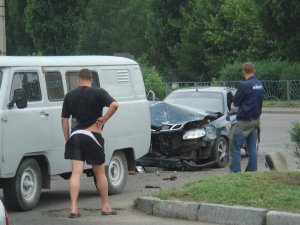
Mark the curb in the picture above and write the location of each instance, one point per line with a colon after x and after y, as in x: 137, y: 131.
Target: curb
x: 281, y: 110
x: 214, y: 213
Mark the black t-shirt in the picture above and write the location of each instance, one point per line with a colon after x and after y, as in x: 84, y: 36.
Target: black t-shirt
x: 85, y: 104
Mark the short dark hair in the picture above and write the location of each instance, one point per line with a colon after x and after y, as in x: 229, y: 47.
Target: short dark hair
x: 85, y: 74
x: 248, y: 67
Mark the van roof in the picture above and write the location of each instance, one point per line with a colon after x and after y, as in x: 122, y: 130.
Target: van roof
x: 88, y: 60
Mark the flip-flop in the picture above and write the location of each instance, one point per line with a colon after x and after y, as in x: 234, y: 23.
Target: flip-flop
x: 108, y: 213
x: 74, y: 215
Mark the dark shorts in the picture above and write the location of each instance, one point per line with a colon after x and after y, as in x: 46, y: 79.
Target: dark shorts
x: 83, y: 148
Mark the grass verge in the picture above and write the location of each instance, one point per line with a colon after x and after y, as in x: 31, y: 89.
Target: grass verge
x: 269, y: 190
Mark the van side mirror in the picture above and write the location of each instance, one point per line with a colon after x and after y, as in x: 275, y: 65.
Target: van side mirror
x: 19, y: 98
x: 233, y: 110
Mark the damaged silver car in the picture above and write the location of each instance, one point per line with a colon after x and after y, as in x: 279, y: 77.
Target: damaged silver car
x: 190, y: 129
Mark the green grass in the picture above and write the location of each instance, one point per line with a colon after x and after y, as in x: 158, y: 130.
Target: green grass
x: 269, y: 190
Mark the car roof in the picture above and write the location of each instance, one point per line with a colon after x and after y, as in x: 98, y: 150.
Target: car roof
x: 86, y: 60
x: 205, y: 88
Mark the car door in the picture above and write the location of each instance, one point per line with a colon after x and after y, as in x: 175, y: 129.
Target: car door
x: 25, y: 131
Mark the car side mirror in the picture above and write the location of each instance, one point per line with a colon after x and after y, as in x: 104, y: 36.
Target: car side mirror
x: 19, y: 98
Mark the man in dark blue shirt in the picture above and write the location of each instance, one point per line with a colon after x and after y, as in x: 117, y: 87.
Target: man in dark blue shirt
x: 248, y: 99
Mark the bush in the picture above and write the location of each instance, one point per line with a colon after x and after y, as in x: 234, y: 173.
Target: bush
x: 266, y: 70
x: 295, y: 138
x: 153, y: 80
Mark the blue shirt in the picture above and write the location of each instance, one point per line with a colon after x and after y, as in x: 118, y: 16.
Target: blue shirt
x: 249, y: 99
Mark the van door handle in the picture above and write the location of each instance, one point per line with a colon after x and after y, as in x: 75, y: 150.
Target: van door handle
x: 44, y: 114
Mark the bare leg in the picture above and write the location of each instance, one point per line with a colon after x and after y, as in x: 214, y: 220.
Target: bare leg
x: 77, y: 170
x: 101, y: 180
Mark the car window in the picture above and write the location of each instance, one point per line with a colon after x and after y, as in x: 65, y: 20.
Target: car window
x: 210, y: 101
x: 54, y: 85
x: 29, y: 82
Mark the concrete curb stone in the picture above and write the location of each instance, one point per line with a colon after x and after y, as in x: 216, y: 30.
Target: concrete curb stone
x: 280, y: 218
x: 214, y: 213
x: 235, y: 215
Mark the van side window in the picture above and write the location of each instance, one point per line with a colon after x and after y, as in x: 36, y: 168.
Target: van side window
x: 54, y: 85
x: 71, y: 77
x: 29, y: 82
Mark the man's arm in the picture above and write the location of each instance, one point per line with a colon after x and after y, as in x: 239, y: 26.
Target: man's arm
x: 65, y: 127
x: 239, y: 95
x: 111, y: 110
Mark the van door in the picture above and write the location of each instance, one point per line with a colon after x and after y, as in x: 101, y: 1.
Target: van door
x: 26, y: 131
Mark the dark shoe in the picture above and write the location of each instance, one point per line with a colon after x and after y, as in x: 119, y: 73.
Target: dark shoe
x: 109, y: 213
x: 74, y: 215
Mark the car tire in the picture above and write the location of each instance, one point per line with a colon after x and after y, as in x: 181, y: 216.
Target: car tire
x: 116, y: 173
x: 23, y: 192
x: 220, y: 152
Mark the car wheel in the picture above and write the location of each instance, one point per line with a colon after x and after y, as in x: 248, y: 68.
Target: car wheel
x: 23, y: 192
x: 220, y: 151
x: 116, y: 173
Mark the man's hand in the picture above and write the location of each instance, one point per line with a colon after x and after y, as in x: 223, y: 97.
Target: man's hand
x: 100, y: 122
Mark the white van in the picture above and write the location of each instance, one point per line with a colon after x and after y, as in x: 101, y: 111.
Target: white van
x: 31, y: 139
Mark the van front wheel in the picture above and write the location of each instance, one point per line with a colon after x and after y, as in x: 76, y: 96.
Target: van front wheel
x: 116, y: 173
x: 23, y: 192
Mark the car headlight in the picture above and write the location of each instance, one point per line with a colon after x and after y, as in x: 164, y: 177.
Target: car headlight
x: 193, y: 134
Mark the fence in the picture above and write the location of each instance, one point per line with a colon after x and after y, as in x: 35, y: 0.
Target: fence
x: 282, y: 90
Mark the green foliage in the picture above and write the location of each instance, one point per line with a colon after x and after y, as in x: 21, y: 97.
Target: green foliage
x: 295, y: 133
x: 114, y: 26
x: 54, y: 25
x: 163, y: 32
x: 295, y: 138
x: 265, y: 70
x: 186, y: 40
x: 280, y: 19
x: 153, y: 80
x: 291, y: 72
x: 231, y: 72
x: 18, y: 40
x: 218, y: 33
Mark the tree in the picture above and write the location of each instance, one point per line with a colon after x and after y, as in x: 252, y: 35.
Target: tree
x: 280, y: 19
x: 18, y: 40
x: 54, y: 25
x: 220, y: 32
x: 163, y: 33
x: 115, y: 26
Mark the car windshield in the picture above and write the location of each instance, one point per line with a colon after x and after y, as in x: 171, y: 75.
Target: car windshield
x: 209, y: 101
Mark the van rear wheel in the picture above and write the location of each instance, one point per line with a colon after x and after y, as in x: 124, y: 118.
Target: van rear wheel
x: 23, y: 192
x: 116, y: 173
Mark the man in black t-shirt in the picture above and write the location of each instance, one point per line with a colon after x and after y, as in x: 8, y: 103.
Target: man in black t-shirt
x: 85, y: 104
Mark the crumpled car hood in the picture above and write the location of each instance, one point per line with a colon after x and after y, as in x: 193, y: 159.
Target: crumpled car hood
x: 162, y: 113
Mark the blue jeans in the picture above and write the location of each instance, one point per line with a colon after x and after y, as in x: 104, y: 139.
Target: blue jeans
x: 245, y: 131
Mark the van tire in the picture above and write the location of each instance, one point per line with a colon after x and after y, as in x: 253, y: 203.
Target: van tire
x: 116, y: 173
x: 23, y: 192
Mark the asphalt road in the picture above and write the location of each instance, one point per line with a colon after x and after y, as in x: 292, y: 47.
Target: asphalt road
x: 54, y: 203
